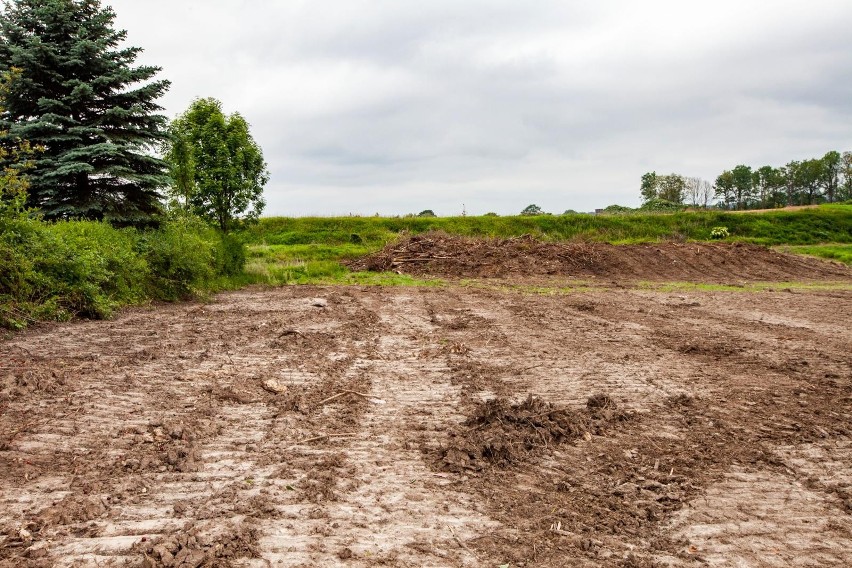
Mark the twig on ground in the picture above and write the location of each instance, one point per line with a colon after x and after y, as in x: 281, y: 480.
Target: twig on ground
x: 461, y: 544
x: 291, y: 332
x: 344, y: 393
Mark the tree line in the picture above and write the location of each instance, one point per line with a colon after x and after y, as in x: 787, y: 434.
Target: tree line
x: 800, y: 182
x: 101, y: 149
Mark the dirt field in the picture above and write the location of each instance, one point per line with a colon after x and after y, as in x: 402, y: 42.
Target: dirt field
x: 452, y: 426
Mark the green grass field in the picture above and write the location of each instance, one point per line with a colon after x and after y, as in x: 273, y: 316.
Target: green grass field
x: 284, y: 250
x: 833, y: 251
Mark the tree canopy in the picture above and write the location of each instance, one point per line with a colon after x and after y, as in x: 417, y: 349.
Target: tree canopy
x: 799, y: 182
x: 532, y: 209
x: 217, y: 168
x: 92, y: 114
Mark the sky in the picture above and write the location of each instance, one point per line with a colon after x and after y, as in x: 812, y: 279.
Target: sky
x: 473, y: 106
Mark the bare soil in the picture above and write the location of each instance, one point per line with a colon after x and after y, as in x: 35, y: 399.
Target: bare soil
x: 441, y: 254
x: 455, y: 426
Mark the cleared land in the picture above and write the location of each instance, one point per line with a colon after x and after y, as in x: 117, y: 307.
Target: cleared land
x: 479, y: 423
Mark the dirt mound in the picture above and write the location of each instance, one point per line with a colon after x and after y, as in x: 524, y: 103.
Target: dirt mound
x: 501, y: 434
x: 441, y: 254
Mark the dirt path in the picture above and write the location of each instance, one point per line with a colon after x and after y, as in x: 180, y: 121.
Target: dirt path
x: 207, y: 434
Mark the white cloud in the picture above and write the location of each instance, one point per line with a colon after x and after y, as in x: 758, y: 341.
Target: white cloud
x: 364, y: 106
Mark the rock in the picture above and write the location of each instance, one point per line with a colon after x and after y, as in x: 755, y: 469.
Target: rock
x: 319, y: 302
x: 274, y: 386
x: 345, y: 554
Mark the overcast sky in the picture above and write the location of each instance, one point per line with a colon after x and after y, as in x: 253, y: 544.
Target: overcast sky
x: 396, y: 106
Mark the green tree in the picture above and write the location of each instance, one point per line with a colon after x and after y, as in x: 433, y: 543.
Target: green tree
x: 770, y: 183
x: 217, y: 167
x: 831, y: 165
x: 648, y: 187
x: 845, y: 189
x: 743, y: 186
x: 532, y: 210
x: 93, y: 114
x: 671, y: 188
x: 808, y: 178
x: 655, y: 187
x: 725, y: 193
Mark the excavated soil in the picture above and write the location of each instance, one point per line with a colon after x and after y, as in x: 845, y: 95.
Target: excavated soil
x: 441, y: 254
x: 453, y: 426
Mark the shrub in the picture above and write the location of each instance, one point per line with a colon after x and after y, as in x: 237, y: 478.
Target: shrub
x: 182, y: 256
x: 532, y: 209
x: 56, y: 271
x: 719, y: 233
x: 427, y: 213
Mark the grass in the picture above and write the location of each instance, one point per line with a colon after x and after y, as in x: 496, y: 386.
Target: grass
x: 827, y: 223
x: 839, y: 252
x: 745, y: 287
x: 310, y: 250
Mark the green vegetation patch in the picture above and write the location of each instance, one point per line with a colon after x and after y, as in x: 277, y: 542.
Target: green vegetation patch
x: 839, y: 252
x: 828, y: 223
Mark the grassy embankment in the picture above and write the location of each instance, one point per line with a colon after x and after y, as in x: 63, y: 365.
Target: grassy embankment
x: 309, y: 250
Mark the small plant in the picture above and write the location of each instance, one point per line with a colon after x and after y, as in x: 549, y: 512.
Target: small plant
x: 718, y: 233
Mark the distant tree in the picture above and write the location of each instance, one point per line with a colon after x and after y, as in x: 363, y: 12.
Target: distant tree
x: 671, y: 188
x: 831, y: 165
x: 491, y: 214
x: 724, y: 192
x: 532, y: 210
x: 570, y: 212
x: 845, y: 189
x: 427, y: 213
x: 770, y: 183
x: 668, y: 188
x: 698, y: 192
x: 808, y: 179
x: 648, y: 187
x: 743, y: 186
x: 791, y: 175
x: 83, y: 103
x: 224, y: 167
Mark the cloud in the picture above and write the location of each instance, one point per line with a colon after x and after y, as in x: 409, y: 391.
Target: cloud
x: 366, y: 106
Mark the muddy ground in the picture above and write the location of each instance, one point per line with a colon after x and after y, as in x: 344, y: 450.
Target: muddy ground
x: 452, y: 426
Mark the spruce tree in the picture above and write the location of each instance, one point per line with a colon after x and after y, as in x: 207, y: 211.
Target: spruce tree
x: 78, y: 97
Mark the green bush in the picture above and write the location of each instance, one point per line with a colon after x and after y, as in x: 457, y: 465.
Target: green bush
x: 231, y: 255
x: 718, y: 233
x: 55, y: 271
x: 182, y: 256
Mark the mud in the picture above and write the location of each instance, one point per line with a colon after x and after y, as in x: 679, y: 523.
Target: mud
x: 457, y: 427
x: 441, y: 254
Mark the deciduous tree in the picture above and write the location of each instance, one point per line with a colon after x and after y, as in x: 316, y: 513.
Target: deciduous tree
x: 217, y: 167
